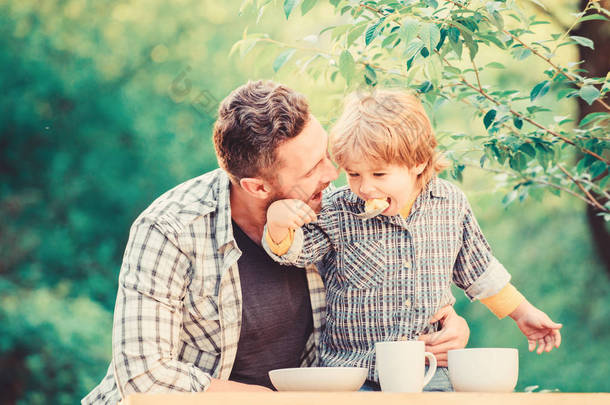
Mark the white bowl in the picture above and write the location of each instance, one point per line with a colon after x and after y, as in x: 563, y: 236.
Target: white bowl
x: 318, y: 378
x: 484, y: 370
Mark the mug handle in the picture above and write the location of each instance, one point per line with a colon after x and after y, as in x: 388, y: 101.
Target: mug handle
x: 431, y: 368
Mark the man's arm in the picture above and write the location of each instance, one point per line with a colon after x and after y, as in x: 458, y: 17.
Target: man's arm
x: 453, y: 335
x: 148, y: 316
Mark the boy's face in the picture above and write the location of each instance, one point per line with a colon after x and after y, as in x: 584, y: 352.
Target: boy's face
x: 396, y: 184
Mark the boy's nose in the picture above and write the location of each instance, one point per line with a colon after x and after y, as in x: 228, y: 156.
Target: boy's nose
x: 367, y: 189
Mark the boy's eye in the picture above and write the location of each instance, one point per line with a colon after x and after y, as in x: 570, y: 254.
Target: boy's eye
x: 378, y: 174
x: 353, y: 174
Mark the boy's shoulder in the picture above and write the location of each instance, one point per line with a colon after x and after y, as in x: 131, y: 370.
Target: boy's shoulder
x: 441, y: 188
x: 337, y: 196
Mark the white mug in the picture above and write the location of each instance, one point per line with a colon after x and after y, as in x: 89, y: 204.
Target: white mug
x: 401, y: 366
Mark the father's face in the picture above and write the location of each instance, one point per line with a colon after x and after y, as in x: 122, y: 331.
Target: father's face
x: 305, y: 167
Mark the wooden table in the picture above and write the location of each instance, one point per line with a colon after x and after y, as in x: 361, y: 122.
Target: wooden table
x: 368, y: 398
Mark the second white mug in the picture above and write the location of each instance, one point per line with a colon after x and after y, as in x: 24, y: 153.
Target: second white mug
x: 401, y: 366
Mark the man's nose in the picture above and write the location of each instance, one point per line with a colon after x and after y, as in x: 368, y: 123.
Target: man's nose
x: 331, y: 173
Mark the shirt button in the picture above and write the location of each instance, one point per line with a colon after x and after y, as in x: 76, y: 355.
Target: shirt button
x: 407, y: 264
x: 407, y: 303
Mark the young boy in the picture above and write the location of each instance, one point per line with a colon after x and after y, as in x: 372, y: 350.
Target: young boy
x: 386, y: 276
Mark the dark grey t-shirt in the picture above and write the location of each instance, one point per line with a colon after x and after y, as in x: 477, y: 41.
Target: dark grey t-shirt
x: 276, y: 314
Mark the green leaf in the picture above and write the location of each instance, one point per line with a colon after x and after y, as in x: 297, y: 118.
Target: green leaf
x: 518, y: 122
x: 289, y: 5
x: 412, y: 49
x: 389, y: 40
x: 582, y: 41
x: 454, y: 34
x: 495, y: 65
x: 425, y: 87
x: 518, y: 161
x: 528, y: 149
x: 540, y: 90
x: 431, y: 35
x: 593, y: 117
x: 347, y: 66
x: 307, y: 5
x: 593, y: 17
x: 521, y: 53
x: 589, y: 93
x: 409, y: 30
x: 544, y: 154
x: 435, y: 70
x: 355, y: 33
x: 597, y: 168
x: 371, y: 33
x: 457, y: 48
x: 489, y: 118
x: 282, y: 58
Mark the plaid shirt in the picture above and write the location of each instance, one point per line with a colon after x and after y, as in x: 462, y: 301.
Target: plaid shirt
x: 385, y: 277
x: 178, y: 311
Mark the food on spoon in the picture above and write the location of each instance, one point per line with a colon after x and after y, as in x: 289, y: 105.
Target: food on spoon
x: 375, y: 204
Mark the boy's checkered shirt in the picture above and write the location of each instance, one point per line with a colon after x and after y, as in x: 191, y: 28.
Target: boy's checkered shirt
x: 386, y: 277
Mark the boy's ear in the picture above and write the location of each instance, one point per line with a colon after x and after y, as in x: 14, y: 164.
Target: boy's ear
x: 256, y: 187
x: 419, y: 169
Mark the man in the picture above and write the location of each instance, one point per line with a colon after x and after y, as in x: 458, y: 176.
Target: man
x: 200, y: 306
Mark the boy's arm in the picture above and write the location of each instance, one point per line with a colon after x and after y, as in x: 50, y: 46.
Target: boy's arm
x: 504, y: 302
x: 483, y: 277
x: 476, y: 270
x: 286, y: 241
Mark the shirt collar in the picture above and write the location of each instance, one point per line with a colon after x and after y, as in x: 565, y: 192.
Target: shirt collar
x: 219, y: 199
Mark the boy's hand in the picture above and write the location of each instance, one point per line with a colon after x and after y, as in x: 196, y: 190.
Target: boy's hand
x: 285, y: 214
x: 537, y: 327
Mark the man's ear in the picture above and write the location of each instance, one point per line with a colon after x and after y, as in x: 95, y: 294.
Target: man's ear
x: 256, y: 187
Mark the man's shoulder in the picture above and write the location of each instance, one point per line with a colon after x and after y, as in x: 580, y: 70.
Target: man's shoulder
x: 189, y: 201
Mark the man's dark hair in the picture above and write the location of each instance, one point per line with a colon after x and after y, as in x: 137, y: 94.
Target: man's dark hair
x: 252, y: 122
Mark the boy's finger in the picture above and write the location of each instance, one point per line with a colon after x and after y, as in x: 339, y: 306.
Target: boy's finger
x: 531, y: 345
x: 557, y: 336
x: 552, y: 325
x: 540, y: 346
x: 548, y: 343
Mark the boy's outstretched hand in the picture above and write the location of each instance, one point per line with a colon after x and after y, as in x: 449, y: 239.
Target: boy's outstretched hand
x: 537, y: 327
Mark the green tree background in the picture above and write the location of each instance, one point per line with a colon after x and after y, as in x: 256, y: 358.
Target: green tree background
x: 105, y: 105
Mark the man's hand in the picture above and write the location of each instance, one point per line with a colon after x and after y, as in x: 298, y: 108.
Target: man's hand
x: 454, y: 334
x: 537, y: 327
x: 225, y: 386
x: 285, y: 214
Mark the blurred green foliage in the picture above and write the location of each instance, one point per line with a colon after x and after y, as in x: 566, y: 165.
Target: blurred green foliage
x: 105, y: 105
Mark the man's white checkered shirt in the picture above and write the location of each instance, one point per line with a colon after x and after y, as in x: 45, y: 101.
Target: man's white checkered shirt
x: 178, y: 311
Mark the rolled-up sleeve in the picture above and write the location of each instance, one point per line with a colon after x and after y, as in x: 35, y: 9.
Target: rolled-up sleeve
x: 148, y: 316
x: 476, y: 270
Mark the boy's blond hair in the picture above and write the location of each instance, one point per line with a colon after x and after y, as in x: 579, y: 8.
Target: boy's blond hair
x: 388, y: 126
